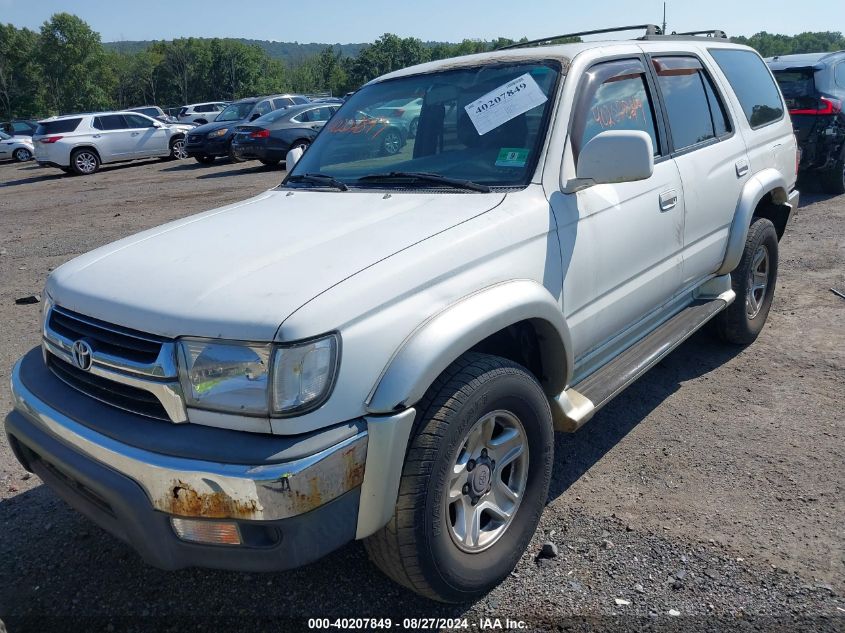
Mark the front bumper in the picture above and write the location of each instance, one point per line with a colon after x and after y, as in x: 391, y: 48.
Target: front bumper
x: 208, y: 147
x: 288, y: 512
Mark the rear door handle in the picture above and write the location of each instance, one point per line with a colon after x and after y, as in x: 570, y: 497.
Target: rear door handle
x: 668, y: 200
x: 741, y: 167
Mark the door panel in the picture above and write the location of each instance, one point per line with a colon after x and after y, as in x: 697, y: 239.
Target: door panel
x: 147, y: 140
x: 113, y: 140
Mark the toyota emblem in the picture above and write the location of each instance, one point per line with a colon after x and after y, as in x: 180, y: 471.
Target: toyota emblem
x: 82, y: 355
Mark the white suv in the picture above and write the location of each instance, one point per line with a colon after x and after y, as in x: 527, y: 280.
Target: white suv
x: 381, y: 347
x: 200, y: 113
x: 80, y: 143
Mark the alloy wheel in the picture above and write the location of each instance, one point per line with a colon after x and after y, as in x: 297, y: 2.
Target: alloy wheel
x: 758, y: 282
x: 487, y: 481
x: 178, y: 151
x: 22, y: 154
x: 392, y: 143
x: 86, y: 162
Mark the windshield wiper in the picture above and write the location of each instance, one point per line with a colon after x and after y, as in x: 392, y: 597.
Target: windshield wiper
x: 423, y: 176
x: 322, y: 179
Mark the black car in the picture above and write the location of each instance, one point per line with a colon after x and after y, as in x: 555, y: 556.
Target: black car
x: 814, y: 88
x: 207, y: 142
x: 270, y: 137
x: 19, y: 127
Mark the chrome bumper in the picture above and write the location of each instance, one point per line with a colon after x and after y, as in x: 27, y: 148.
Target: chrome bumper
x: 193, y: 488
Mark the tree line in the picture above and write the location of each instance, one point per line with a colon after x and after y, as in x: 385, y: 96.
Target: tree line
x: 64, y: 67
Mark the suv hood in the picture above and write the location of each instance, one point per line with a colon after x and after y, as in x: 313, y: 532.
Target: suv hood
x: 215, y: 125
x: 239, y: 271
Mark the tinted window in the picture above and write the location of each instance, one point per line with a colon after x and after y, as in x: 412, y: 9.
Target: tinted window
x: 839, y: 74
x: 135, y: 121
x: 300, y: 100
x: 303, y: 117
x: 236, y: 111
x: 721, y: 122
x: 4, y: 136
x: 320, y: 114
x: 282, y: 102
x: 798, y: 86
x: 21, y: 128
x: 153, y: 112
x: 620, y: 103
x: 57, y: 127
x: 110, y: 122
x: 750, y: 79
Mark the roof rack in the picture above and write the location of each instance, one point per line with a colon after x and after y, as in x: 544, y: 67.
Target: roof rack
x: 650, y: 29
x: 711, y: 33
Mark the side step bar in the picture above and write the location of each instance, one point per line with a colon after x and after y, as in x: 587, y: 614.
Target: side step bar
x: 576, y: 405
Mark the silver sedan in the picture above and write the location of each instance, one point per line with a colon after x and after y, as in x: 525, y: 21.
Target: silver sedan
x: 17, y: 148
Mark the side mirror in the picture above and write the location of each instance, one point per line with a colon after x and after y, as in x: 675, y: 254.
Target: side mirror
x: 612, y: 157
x: 293, y: 158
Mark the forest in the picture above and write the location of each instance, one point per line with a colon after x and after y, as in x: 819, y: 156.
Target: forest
x: 65, y: 67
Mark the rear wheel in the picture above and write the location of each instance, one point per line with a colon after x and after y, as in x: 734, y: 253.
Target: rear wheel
x: 392, y: 142
x: 233, y: 156
x: 474, y: 483
x: 302, y: 144
x: 753, y: 281
x: 21, y: 155
x: 84, y: 161
x: 833, y: 180
x: 205, y: 160
x: 269, y: 162
x: 412, y: 128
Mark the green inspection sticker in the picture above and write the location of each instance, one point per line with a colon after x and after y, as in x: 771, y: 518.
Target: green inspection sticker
x: 512, y: 157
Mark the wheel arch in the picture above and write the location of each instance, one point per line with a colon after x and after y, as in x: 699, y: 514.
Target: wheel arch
x: 488, y: 320
x: 763, y: 194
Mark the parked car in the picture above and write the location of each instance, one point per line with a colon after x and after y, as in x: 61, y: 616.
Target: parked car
x: 814, y: 88
x: 154, y: 112
x: 19, y: 127
x: 364, y: 135
x: 207, y: 142
x: 407, y: 111
x: 201, y: 113
x: 80, y: 143
x: 381, y: 347
x: 16, y: 148
x: 269, y: 138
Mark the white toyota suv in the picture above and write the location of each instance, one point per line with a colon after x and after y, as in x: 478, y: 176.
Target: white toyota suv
x: 382, y: 347
x: 80, y: 143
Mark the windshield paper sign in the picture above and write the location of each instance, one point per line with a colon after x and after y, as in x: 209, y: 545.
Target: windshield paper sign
x: 505, y: 103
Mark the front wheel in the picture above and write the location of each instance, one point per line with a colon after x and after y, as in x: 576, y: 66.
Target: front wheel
x: 177, y: 149
x: 474, y: 483
x: 204, y: 160
x: 753, y: 281
x: 21, y: 155
x: 392, y: 142
x: 269, y: 162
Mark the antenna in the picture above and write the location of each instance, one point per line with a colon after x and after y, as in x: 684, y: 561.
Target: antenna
x: 664, y: 18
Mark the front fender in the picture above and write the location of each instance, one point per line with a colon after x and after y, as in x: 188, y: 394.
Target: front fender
x: 440, y: 340
x: 766, y: 181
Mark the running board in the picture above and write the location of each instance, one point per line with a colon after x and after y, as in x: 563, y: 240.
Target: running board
x: 575, y: 406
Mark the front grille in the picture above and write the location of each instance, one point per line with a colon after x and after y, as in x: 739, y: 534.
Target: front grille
x: 106, y: 338
x: 114, y: 393
x: 193, y: 139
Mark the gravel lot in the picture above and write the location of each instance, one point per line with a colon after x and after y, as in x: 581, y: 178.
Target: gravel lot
x: 709, y: 496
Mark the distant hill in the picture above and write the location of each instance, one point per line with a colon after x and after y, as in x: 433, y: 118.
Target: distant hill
x: 289, y: 52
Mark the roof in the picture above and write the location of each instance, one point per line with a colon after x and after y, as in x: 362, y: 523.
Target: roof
x: 564, y: 53
x: 782, y: 62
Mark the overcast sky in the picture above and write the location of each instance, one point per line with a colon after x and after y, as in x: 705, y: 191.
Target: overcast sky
x: 343, y: 21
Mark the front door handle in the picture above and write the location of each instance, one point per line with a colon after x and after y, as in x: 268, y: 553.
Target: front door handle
x: 135, y: 133
x: 741, y: 167
x: 668, y: 200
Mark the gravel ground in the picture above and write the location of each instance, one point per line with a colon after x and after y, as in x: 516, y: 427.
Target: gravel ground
x: 708, y: 496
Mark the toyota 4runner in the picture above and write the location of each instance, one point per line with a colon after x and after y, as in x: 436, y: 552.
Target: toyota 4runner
x: 382, y: 347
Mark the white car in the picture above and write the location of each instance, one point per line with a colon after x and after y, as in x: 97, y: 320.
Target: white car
x: 16, y: 148
x: 381, y: 347
x: 200, y: 113
x: 80, y: 143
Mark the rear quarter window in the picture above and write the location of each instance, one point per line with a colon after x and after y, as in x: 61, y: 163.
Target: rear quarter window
x: 752, y: 83
x: 839, y: 75
x: 62, y: 126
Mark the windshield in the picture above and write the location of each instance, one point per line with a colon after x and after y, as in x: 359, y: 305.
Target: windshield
x: 275, y: 115
x: 4, y: 136
x: 484, y: 124
x: 235, y: 112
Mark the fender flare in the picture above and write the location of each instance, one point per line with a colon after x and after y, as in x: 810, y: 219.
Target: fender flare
x: 441, y: 339
x: 767, y: 181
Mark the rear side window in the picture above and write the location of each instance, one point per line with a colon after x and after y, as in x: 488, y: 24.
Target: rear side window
x: 839, y: 75
x: 620, y: 102
x: 750, y: 79
x: 300, y: 100
x: 57, y: 127
x: 135, y: 121
x: 264, y: 108
x: 695, y: 113
x: 110, y: 122
x: 282, y: 102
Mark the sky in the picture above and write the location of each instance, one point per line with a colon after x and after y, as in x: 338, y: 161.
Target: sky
x: 346, y: 21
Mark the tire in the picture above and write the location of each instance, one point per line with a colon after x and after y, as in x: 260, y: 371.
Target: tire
x: 833, y: 180
x: 233, y: 156
x: 412, y: 128
x: 21, y: 155
x: 177, y: 149
x: 269, y: 162
x: 84, y: 162
x: 391, y: 144
x: 742, y: 321
x: 419, y: 547
x: 302, y: 144
x: 205, y: 160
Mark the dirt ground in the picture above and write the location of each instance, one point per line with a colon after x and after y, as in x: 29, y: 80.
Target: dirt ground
x: 714, y: 487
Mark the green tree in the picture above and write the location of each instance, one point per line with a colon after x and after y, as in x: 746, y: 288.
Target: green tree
x: 74, y: 65
x: 20, y: 76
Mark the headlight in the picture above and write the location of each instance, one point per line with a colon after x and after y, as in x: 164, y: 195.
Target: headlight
x: 46, y: 306
x: 221, y: 132
x: 225, y: 376
x: 237, y: 377
x: 303, y: 374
